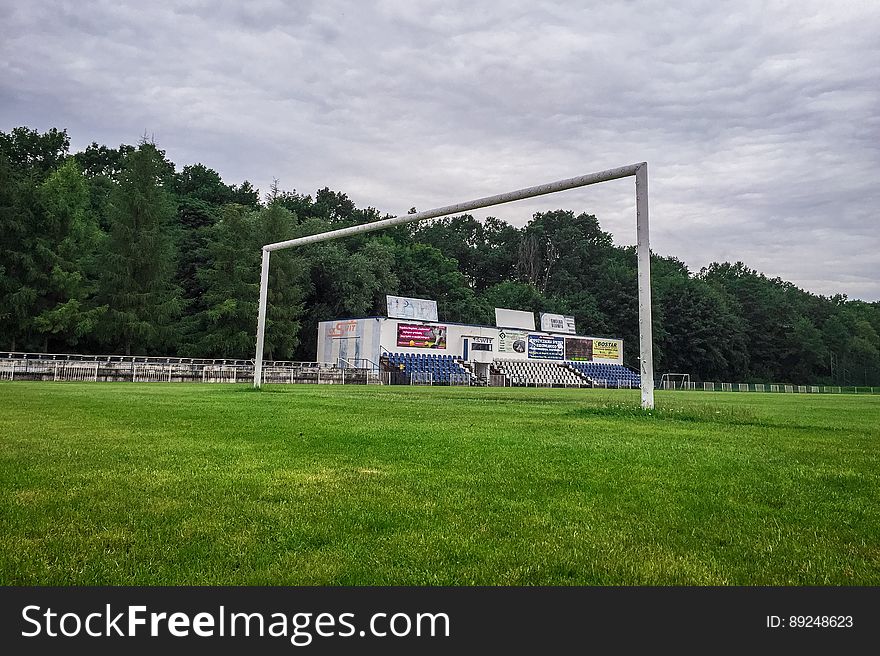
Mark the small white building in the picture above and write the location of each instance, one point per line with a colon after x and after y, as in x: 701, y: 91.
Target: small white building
x: 362, y: 342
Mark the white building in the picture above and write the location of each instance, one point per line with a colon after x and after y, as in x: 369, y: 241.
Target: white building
x: 363, y: 342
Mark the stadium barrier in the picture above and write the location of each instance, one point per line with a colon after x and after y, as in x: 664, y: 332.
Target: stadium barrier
x: 15, y: 366
x: 776, y: 388
x: 147, y: 369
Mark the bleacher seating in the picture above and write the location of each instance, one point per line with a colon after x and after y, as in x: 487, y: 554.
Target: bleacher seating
x: 428, y: 367
x: 603, y: 374
x: 566, y: 374
x: 446, y: 369
x: 545, y: 374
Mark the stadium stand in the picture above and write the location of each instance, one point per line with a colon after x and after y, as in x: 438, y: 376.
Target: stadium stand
x: 606, y: 375
x: 429, y: 368
x: 539, y: 374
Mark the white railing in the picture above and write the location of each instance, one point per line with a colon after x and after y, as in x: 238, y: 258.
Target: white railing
x: 76, y: 371
x: 780, y: 388
x: 7, y: 370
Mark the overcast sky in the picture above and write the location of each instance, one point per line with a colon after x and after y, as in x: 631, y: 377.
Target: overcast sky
x: 760, y: 121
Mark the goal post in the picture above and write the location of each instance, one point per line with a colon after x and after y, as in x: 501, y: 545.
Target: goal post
x: 639, y: 171
x: 675, y: 381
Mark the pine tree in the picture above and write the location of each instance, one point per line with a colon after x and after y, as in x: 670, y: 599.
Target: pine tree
x: 287, y: 276
x: 64, y: 315
x: 28, y: 238
x: 137, y: 281
x: 226, y: 326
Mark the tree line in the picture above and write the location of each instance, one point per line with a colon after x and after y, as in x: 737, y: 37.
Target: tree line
x: 115, y: 250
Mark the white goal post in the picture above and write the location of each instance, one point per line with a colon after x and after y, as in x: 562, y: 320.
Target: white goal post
x: 675, y: 381
x: 640, y: 171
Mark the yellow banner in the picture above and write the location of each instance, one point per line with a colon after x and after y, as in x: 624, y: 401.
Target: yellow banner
x: 605, y: 349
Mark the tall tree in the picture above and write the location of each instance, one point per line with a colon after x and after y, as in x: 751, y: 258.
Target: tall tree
x: 225, y: 326
x: 20, y: 273
x: 424, y: 272
x: 137, y: 281
x: 66, y: 317
x: 33, y: 154
x: 287, y: 278
x: 29, y: 237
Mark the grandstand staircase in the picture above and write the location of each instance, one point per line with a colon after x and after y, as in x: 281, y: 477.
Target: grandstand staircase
x: 587, y: 381
x: 476, y: 379
x: 522, y: 373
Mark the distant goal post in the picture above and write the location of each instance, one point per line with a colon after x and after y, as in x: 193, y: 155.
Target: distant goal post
x: 639, y: 171
x: 671, y: 381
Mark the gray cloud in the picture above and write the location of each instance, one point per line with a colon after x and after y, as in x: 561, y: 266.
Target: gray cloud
x: 760, y: 121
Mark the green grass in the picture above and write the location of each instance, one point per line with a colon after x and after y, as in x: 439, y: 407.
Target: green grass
x: 159, y: 484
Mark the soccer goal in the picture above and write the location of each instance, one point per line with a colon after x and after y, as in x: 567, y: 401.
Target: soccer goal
x: 639, y: 171
x: 671, y: 381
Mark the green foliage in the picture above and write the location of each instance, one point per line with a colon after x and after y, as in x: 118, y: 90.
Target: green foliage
x: 33, y: 154
x: 225, y: 326
x: 112, y: 249
x: 425, y: 272
x: 137, y: 284
x: 287, y: 277
x: 101, y: 161
x: 65, y: 204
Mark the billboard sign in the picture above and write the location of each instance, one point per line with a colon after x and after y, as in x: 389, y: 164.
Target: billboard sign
x: 514, y: 319
x: 416, y: 336
x: 578, y: 350
x: 400, y: 307
x: 512, y: 341
x: 557, y: 323
x: 545, y: 347
x: 606, y: 349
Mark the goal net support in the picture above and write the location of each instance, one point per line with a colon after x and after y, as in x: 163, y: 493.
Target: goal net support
x: 671, y: 381
x: 639, y: 171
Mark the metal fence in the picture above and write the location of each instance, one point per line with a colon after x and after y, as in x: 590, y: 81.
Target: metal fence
x: 146, y: 369
x: 775, y: 388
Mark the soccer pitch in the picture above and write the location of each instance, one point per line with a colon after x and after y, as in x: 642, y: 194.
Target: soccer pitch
x: 176, y: 484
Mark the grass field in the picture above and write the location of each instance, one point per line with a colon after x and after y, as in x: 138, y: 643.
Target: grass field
x: 160, y: 484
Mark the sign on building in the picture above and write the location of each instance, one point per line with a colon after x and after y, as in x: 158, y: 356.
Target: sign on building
x: 400, y: 307
x: 415, y: 336
x: 544, y: 347
x: 578, y: 350
x: 606, y: 349
x: 512, y: 341
x: 557, y: 323
x: 514, y: 319
x: 481, y: 343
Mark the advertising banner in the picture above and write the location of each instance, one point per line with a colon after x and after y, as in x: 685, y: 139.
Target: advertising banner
x: 557, y: 323
x: 401, y: 307
x: 605, y: 349
x: 514, y: 319
x: 546, y: 347
x: 512, y: 341
x: 578, y: 350
x: 414, y: 336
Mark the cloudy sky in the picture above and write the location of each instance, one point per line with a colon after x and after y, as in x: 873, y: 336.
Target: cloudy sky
x: 760, y: 121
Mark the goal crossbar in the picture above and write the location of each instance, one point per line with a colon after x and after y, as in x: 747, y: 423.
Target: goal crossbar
x: 640, y: 171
